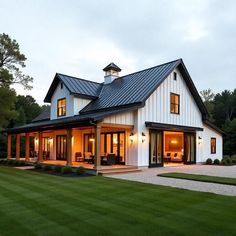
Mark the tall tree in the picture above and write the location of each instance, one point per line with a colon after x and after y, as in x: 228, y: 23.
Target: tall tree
x: 7, y: 111
x: 28, y: 108
x: 207, y: 97
x: 11, y: 62
x: 224, y: 107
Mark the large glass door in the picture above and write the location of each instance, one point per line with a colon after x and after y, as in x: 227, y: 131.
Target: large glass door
x: 61, y: 147
x: 156, y: 148
x: 189, y: 148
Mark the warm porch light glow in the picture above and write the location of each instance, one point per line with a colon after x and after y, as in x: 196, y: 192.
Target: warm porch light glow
x: 115, y: 141
x: 92, y: 139
x: 36, y: 140
x: 131, y: 137
x: 143, y: 137
x: 174, y: 141
x: 50, y: 140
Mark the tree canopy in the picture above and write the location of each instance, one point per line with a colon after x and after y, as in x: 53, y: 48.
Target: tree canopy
x: 11, y: 60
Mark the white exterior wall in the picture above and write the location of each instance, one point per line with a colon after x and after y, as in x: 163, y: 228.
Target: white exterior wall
x: 73, y: 104
x: 204, y: 146
x: 126, y: 118
x: 157, y: 109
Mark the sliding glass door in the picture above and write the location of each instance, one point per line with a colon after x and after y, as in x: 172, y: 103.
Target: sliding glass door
x: 156, y: 148
x: 189, y: 148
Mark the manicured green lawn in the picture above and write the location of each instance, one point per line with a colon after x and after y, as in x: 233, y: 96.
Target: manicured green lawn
x: 40, y: 204
x: 203, y: 178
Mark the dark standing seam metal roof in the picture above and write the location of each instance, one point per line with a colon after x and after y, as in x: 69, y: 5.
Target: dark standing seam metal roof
x: 76, y: 86
x: 123, y: 94
x: 131, y: 89
x: 45, y: 115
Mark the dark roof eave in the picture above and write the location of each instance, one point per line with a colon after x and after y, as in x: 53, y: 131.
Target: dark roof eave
x: 162, y: 126
x: 214, y: 127
x: 51, y: 126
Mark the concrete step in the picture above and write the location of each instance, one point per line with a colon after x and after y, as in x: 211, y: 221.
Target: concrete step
x: 118, y: 171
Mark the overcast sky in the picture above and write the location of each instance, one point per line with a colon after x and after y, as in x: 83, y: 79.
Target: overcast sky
x: 80, y: 38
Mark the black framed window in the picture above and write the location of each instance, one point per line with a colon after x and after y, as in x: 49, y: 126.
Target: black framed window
x: 174, y: 103
x: 61, y: 147
x: 175, y: 76
x: 61, y: 107
x: 213, y: 145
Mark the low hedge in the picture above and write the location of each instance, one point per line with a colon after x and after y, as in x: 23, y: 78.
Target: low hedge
x: 80, y: 171
x: 58, y: 169
x: 66, y: 170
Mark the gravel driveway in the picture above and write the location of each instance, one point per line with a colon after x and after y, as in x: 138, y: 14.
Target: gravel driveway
x: 150, y: 176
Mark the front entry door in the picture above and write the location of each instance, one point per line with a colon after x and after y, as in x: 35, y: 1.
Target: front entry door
x: 156, y: 148
x: 189, y: 148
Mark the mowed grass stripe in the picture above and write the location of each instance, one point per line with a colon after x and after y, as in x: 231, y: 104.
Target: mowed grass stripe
x: 52, y: 205
x: 202, y: 178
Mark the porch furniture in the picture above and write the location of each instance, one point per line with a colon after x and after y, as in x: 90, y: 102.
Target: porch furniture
x: 79, y: 157
x: 88, y: 157
x: 46, y: 155
x: 111, y: 159
x: 104, y: 159
x: 167, y: 159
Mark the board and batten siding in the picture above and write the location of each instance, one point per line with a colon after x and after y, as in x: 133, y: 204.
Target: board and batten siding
x: 126, y: 118
x: 157, y: 106
x: 157, y: 109
x: 73, y: 104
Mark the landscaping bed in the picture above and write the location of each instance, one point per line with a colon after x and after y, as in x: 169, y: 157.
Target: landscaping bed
x: 66, y: 171
x: 201, y: 178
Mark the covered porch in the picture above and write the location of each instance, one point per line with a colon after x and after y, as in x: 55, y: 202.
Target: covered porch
x: 94, y: 146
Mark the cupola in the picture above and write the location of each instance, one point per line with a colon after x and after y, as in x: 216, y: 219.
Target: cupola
x: 111, y: 73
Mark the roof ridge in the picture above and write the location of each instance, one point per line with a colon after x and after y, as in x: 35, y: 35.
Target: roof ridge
x: 79, y: 78
x: 180, y: 59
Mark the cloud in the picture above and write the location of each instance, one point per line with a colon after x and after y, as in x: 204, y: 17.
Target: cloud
x: 81, y: 37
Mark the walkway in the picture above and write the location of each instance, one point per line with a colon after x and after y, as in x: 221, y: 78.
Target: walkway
x: 150, y: 176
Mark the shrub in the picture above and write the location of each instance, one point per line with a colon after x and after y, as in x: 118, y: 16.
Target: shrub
x: 228, y: 161
x: 226, y: 156
x: 216, y: 162
x: 58, y: 169
x: 66, y: 170
x: 11, y: 162
x: 209, y: 161
x: 20, y: 163
x: 4, y: 162
x: 47, y: 167
x: 80, y: 170
x: 38, y: 166
x: 233, y: 156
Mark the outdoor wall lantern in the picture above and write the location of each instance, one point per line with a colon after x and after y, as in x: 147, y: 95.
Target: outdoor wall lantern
x: 131, y: 137
x: 143, y: 137
x: 199, y: 140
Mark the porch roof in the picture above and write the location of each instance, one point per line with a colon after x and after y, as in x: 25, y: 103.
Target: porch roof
x: 171, y: 127
x: 72, y: 121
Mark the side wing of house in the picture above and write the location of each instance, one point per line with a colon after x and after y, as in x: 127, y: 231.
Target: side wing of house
x: 72, y: 103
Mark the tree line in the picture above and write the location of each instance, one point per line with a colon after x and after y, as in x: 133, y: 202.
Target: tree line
x: 222, y: 111
x: 19, y: 110
x: 15, y: 109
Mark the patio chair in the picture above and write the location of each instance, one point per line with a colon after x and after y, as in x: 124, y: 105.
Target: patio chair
x: 88, y: 157
x: 79, y: 157
x: 111, y: 159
